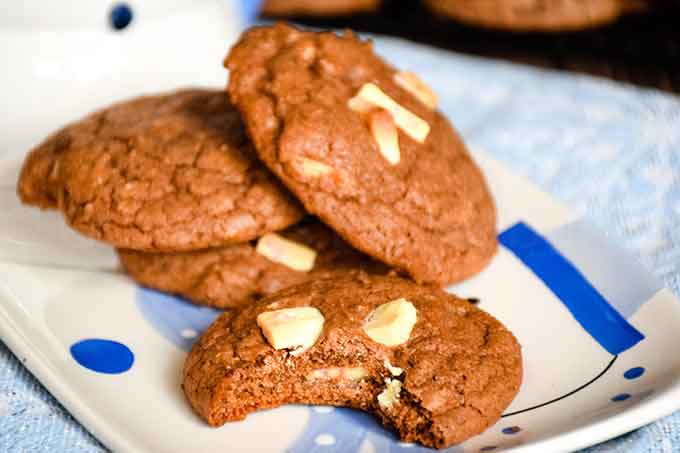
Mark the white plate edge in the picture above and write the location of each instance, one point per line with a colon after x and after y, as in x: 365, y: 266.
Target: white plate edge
x: 644, y: 413
x: 31, y: 357
x: 654, y: 408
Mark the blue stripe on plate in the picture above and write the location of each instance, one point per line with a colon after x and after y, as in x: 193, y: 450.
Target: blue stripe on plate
x: 585, y: 303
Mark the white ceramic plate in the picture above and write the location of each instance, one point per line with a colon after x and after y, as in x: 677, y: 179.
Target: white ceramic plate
x: 585, y: 381
x: 598, y: 332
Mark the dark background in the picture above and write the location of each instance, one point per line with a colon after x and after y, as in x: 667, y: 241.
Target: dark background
x: 641, y: 48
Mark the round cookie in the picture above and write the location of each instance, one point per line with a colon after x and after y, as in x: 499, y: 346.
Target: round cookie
x: 318, y: 8
x: 530, y: 15
x: 430, y: 214
x: 449, y: 377
x: 237, y: 275
x: 159, y: 173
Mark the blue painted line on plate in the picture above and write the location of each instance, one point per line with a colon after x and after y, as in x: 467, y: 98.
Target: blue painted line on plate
x: 586, y: 304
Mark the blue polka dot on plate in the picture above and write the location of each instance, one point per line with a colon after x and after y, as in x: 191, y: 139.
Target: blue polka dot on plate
x: 634, y: 373
x: 511, y: 430
x: 621, y: 397
x: 103, y: 356
x: 120, y: 16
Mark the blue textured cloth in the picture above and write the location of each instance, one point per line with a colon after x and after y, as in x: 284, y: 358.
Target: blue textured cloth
x: 610, y: 152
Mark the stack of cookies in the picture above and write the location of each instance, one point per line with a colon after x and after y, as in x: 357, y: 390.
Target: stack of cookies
x: 323, y: 201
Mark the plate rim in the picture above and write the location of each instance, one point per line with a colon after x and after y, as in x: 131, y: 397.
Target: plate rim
x: 30, y: 355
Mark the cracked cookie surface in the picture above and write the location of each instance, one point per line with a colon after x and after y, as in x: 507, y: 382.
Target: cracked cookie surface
x: 159, y: 173
x: 430, y: 214
x: 236, y: 275
x: 453, y: 377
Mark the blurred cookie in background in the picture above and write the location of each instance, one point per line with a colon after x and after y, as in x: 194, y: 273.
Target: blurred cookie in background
x: 318, y: 7
x: 535, y: 15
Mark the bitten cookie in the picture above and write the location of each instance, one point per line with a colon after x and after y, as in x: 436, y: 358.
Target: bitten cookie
x: 364, y: 148
x: 159, y: 173
x: 239, y: 274
x: 528, y: 15
x: 318, y: 8
x: 428, y: 365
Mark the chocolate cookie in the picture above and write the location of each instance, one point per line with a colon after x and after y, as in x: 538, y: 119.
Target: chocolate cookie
x: 318, y: 8
x: 159, y: 173
x: 527, y: 15
x: 363, y: 147
x: 428, y: 365
x: 239, y: 274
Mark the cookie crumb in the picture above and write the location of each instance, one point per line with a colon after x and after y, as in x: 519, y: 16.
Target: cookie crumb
x: 394, y: 370
x: 390, y: 395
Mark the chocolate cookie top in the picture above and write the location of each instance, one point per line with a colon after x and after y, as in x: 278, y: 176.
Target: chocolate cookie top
x: 237, y: 275
x: 431, y: 366
x: 159, y: 173
x: 412, y: 198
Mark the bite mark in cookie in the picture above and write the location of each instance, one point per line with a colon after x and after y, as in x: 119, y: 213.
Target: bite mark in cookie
x: 458, y: 369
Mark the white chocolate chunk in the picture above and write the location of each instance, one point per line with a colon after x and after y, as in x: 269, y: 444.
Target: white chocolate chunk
x: 391, y: 323
x: 414, y: 126
x: 295, y: 328
x: 354, y: 373
x: 385, y: 134
x: 283, y: 251
x: 359, y: 105
x: 394, y: 370
x: 387, y: 397
x: 419, y: 89
x: 324, y: 374
x: 312, y: 168
x: 308, y: 53
x: 341, y: 373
